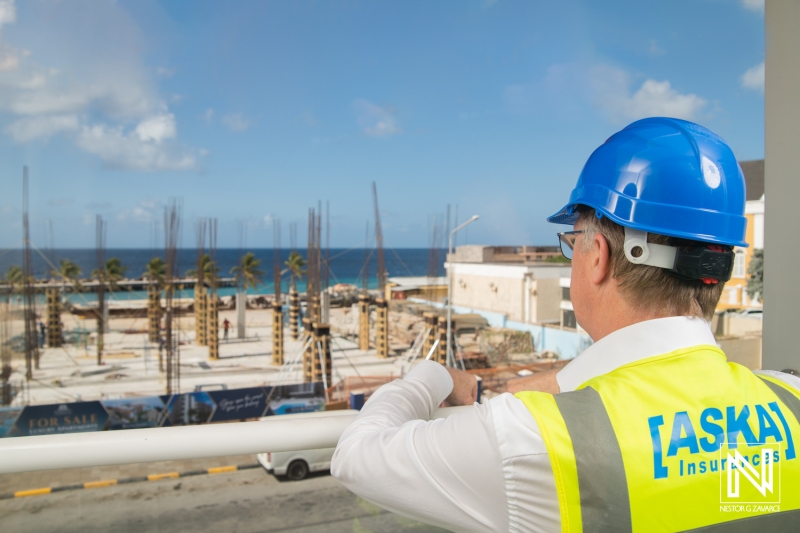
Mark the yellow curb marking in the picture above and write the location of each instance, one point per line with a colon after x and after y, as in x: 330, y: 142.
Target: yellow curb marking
x: 221, y: 469
x: 168, y: 475
x: 96, y: 484
x: 32, y: 492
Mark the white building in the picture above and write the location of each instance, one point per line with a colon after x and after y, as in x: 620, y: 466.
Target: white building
x: 519, y: 282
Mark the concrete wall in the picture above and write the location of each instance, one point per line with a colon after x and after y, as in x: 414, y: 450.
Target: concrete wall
x: 548, y: 301
x: 524, y: 293
x: 497, y: 294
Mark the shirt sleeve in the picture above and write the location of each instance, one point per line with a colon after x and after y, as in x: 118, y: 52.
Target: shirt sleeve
x: 445, y: 472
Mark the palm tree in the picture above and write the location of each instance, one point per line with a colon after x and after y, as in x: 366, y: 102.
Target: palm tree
x: 68, y: 272
x: 296, y: 264
x: 14, y: 277
x: 247, y: 273
x: 112, y: 272
x: 210, y: 269
x: 155, y: 271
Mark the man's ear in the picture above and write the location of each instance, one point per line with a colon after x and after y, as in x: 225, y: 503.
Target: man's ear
x: 601, y: 259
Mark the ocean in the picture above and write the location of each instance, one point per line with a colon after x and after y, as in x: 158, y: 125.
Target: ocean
x: 346, y: 266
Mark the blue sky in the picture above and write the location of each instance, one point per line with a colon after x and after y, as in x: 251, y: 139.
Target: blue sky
x: 251, y: 111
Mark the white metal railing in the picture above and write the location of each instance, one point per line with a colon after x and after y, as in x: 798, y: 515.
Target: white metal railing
x: 273, y: 434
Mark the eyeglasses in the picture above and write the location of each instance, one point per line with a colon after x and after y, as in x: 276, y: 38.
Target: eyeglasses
x: 566, y: 239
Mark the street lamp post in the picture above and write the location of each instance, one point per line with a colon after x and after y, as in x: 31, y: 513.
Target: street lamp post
x: 449, y: 350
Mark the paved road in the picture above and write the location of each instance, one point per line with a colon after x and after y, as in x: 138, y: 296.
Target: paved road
x: 248, y: 501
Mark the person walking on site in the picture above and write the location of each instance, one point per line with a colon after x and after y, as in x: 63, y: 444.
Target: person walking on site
x: 226, y: 325
x: 646, y: 430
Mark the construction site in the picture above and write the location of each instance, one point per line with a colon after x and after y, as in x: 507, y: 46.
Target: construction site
x: 346, y: 339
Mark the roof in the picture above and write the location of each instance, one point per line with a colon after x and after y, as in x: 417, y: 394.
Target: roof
x: 754, y: 178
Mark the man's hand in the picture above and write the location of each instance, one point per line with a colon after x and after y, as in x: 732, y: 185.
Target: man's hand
x: 465, y: 388
x: 541, y: 382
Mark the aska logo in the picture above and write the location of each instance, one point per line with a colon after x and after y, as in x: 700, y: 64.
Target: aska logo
x: 752, y: 477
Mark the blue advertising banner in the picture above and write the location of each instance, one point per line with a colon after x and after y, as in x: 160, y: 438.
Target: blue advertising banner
x: 135, y: 413
x: 238, y: 404
x: 7, y: 417
x: 61, y: 418
x: 297, y: 398
x: 198, y: 407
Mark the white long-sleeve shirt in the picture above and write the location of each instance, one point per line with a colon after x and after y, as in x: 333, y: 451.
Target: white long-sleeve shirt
x: 486, y: 468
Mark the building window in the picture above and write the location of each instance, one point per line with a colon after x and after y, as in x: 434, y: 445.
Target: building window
x: 568, y: 319
x: 738, y: 264
x: 565, y: 294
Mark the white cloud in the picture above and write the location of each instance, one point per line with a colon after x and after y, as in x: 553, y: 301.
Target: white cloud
x: 145, y: 211
x: 374, y: 120
x: 94, y: 90
x: 61, y: 202
x: 157, y: 128
x: 236, y: 122
x: 754, y: 78
x: 611, y: 89
x: 128, y: 150
x: 208, y: 116
x: 41, y: 127
x: 754, y: 5
x: 268, y: 220
x: 8, y: 12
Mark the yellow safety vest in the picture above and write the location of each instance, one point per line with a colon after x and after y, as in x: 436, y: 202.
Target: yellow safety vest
x: 678, y: 442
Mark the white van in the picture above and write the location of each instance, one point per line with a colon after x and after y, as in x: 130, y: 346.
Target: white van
x: 296, y: 465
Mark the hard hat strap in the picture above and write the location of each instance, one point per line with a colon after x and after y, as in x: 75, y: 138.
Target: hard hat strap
x: 640, y: 252
x: 709, y: 263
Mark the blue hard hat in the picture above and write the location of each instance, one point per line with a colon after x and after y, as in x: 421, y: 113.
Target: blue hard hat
x: 665, y: 176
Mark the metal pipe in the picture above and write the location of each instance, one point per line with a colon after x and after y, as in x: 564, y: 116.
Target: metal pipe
x: 303, y: 431
x: 449, y: 347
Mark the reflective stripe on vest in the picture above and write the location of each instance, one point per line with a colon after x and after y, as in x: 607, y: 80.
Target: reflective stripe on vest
x: 591, y: 435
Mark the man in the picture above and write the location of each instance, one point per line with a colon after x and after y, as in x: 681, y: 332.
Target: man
x: 226, y: 325
x: 635, y: 433
x: 42, y: 334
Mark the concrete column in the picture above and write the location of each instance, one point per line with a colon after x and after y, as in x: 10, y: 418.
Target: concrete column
x: 241, y: 313
x: 322, y: 367
x: 363, y: 322
x: 440, y: 355
x: 200, y: 320
x: 212, y: 326
x: 153, y: 314
x: 277, y: 333
x: 53, y: 317
x: 782, y: 185
x: 294, y: 313
x: 308, y: 354
x: 381, y: 328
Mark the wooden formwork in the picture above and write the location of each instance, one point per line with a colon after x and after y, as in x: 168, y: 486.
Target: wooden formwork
x: 363, y: 322
x: 200, y: 320
x: 212, y: 326
x: 153, y: 314
x: 277, y: 333
x: 53, y: 317
x: 381, y: 328
x: 294, y: 313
